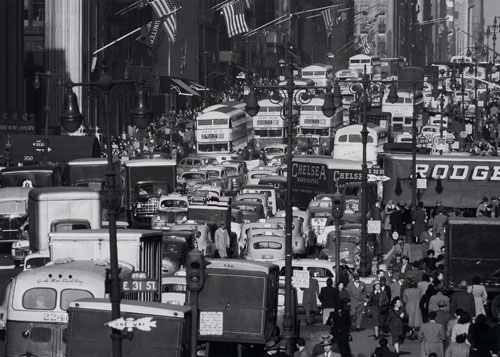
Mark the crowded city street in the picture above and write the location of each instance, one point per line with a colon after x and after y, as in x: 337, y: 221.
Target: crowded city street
x: 247, y: 178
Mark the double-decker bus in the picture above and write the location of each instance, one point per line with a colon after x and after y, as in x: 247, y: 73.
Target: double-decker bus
x: 348, y: 143
x: 221, y: 131
x: 268, y: 124
x: 401, y: 112
x: 372, y: 64
x: 320, y: 73
x: 313, y: 121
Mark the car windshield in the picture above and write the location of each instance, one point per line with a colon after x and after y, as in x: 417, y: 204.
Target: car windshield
x: 151, y: 188
x: 173, y: 203
x: 194, y: 176
x: 274, y: 150
x: 213, y: 173
x: 231, y: 170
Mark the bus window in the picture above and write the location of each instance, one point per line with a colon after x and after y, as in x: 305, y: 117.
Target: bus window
x: 342, y: 138
x: 69, y: 295
x: 40, y: 299
x: 320, y: 272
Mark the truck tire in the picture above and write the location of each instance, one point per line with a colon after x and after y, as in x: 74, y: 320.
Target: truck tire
x: 495, y: 307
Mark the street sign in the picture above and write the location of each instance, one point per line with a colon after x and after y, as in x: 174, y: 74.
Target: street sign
x: 374, y: 226
x: 139, y: 282
x: 143, y: 324
x: 375, y: 178
x: 300, y: 279
x: 463, y: 134
x: 375, y: 170
x: 421, y: 183
x: 211, y: 323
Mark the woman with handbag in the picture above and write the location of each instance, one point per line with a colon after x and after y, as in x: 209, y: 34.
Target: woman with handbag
x: 379, y: 303
x: 398, y: 322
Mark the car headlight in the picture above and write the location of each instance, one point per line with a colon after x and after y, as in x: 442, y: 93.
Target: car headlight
x: 235, y: 180
x: 139, y: 205
x: 158, y: 218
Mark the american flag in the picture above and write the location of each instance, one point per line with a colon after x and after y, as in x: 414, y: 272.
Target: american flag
x: 162, y: 8
x: 234, y: 13
x: 366, y: 45
x: 329, y: 19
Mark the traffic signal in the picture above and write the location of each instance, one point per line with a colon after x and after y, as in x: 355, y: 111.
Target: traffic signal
x: 8, y: 151
x: 337, y: 205
x: 195, y: 270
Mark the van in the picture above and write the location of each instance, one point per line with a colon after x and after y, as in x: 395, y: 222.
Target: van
x: 273, y: 200
x: 321, y: 270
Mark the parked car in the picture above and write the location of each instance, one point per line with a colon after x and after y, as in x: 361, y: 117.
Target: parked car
x: 298, y: 239
x: 251, y: 211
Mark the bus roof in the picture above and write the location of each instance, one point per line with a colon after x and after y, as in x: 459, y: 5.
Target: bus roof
x: 150, y: 162
x: 14, y: 193
x: 91, y: 161
x: 46, y: 168
x: 331, y: 163
x: 362, y: 56
x: 222, y: 112
x: 356, y: 128
x: 63, y: 193
x: 317, y: 67
x: 133, y: 307
x: 103, y: 234
x: 240, y: 264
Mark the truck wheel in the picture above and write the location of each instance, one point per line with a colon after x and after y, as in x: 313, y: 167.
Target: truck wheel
x: 495, y: 307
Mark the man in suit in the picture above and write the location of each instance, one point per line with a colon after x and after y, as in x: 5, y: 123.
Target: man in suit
x: 432, y: 336
x: 357, y: 292
x: 463, y: 300
x: 301, y: 347
x: 273, y: 347
x: 330, y: 300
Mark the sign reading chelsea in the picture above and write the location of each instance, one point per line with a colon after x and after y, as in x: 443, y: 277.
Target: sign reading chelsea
x: 309, y: 173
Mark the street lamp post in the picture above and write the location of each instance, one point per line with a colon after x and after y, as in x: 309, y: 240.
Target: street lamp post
x: 252, y: 109
x: 494, y: 38
x: 468, y: 23
x: 46, y: 108
x: 71, y: 120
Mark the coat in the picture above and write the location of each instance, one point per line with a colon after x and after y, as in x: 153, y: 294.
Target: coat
x: 329, y: 297
x: 432, y: 336
x: 419, y: 217
x: 397, y: 322
x: 463, y: 300
x: 310, y: 294
x: 357, y: 295
x: 457, y: 350
x: 411, y: 299
x: 438, y: 224
x: 221, y: 241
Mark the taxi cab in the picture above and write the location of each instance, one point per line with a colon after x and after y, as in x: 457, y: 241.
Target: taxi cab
x: 237, y: 172
x: 298, y: 239
x: 192, y: 162
x: 259, y: 172
x: 265, y: 247
x: 274, y: 150
x: 251, y: 211
x: 172, y: 209
x: 246, y: 231
x: 218, y: 176
x: 188, y: 179
x: 320, y: 211
x: 256, y: 197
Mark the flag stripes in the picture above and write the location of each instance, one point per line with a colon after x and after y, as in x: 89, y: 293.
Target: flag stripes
x: 329, y: 19
x: 234, y: 14
x: 162, y: 8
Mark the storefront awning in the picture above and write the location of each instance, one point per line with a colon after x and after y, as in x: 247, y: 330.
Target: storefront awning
x: 196, y: 86
x: 182, y: 88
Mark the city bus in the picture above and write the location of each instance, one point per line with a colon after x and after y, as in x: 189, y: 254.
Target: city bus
x: 268, y: 125
x: 348, y: 143
x: 390, y: 67
x: 320, y: 73
x: 221, y: 131
x: 36, y: 302
x: 313, y: 121
x: 401, y: 112
x: 371, y: 64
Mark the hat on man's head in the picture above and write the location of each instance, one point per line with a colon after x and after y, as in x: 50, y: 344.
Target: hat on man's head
x: 326, y: 336
x: 375, y: 282
x: 327, y: 342
x: 463, y: 284
x: 272, y: 344
x: 355, y: 275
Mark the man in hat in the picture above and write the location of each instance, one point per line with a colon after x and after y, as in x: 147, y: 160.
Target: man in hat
x: 272, y: 348
x: 442, y: 315
x: 439, y: 298
x: 463, y: 300
x: 327, y: 349
x: 432, y: 336
x: 357, y: 292
x: 318, y: 348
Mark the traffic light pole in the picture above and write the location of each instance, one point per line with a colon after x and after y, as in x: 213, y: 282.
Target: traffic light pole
x: 195, y: 279
x: 194, y: 295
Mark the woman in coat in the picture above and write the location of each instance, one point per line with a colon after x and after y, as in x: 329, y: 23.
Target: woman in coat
x: 480, y: 295
x: 379, y: 302
x: 458, y: 348
x: 479, y: 337
x: 397, y: 320
x: 309, y: 300
x: 411, y: 300
x: 345, y: 298
x: 424, y: 302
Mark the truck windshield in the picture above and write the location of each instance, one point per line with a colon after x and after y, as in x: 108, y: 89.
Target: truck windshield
x: 221, y: 290
x: 13, y: 207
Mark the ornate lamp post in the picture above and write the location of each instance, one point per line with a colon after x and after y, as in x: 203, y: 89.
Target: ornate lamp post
x: 494, y: 38
x: 46, y: 108
x: 71, y: 120
x: 291, y: 95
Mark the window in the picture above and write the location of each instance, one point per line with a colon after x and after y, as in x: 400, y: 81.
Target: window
x: 267, y: 245
x: 70, y: 295
x: 382, y: 9
x: 342, y: 139
x: 40, y: 299
x: 282, y: 271
x: 363, y: 9
x: 320, y: 272
x: 354, y: 138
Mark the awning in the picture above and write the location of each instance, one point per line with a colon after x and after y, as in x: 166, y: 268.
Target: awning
x: 183, y: 88
x: 197, y: 86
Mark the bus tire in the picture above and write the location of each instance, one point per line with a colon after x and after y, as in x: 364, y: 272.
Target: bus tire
x: 495, y: 307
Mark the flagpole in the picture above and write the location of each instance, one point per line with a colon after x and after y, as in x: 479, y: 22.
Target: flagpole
x: 250, y: 33
x: 317, y: 9
x: 219, y: 6
x: 132, y: 32
x: 128, y: 8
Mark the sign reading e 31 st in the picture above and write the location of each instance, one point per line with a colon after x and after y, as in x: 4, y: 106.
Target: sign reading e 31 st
x: 139, y: 282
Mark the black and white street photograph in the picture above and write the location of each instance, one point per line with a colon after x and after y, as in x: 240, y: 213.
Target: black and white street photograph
x: 249, y: 178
